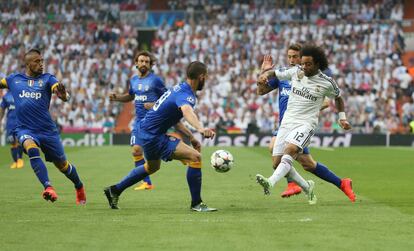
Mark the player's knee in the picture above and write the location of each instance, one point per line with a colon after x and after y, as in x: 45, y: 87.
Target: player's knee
x: 62, y: 165
x: 33, y: 152
x: 151, y: 168
x: 291, y: 150
x: 195, y: 157
x: 136, y: 151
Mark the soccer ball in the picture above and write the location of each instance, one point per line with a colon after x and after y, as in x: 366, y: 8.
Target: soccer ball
x: 222, y: 161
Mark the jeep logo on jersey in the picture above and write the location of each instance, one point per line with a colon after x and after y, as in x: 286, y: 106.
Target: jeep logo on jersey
x: 35, y: 95
x: 140, y: 97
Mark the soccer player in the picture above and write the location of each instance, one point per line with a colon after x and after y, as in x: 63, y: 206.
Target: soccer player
x: 309, y: 88
x: 7, y: 107
x: 173, y: 105
x: 145, y: 88
x: 305, y: 158
x: 36, y: 130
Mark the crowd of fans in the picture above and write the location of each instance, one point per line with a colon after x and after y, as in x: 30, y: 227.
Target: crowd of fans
x: 92, y: 58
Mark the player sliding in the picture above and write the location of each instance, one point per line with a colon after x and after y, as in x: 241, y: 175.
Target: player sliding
x: 310, y: 87
x: 173, y: 105
x: 36, y: 130
x: 304, y: 158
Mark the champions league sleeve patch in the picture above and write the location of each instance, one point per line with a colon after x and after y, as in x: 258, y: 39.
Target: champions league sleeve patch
x: 190, y: 99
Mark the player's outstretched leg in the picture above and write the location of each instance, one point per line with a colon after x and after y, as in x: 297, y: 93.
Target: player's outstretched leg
x: 137, y: 174
x: 326, y: 174
x: 281, y: 171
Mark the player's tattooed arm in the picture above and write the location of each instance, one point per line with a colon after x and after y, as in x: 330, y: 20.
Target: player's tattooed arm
x: 191, y: 117
x: 124, y: 98
x: 340, y: 106
x: 181, y: 128
x: 61, y: 92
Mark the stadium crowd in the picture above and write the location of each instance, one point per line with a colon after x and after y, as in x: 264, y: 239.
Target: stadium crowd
x: 92, y: 58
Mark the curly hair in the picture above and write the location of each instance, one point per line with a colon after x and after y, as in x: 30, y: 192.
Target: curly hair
x: 318, y: 55
x: 147, y: 54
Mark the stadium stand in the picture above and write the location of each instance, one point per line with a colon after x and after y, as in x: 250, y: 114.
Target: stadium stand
x: 88, y: 47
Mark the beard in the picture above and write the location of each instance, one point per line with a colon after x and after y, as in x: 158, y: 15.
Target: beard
x: 200, y: 85
x: 143, y: 70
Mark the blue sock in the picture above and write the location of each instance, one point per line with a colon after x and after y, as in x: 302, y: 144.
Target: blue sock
x: 38, y: 166
x: 137, y: 174
x: 139, y: 163
x: 14, y: 153
x: 71, y: 174
x: 19, y: 152
x: 194, y: 183
x: 324, y: 173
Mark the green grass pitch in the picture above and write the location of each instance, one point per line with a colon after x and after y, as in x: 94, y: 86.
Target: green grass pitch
x: 381, y: 219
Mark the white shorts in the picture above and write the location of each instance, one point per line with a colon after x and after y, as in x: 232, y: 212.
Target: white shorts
x: 299, y: 135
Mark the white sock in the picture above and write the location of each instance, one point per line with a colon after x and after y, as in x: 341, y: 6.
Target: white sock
x: 295, y: 176
x: 282, y: 169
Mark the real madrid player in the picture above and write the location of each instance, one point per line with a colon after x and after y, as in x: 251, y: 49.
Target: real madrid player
x: 309, y: 88
x: 304, y: 158
x: 35, y: 129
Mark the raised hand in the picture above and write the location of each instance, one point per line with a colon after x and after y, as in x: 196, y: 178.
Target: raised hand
x: 267, y: 63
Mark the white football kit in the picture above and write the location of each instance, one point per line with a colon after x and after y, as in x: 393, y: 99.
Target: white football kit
x: 305, y: 101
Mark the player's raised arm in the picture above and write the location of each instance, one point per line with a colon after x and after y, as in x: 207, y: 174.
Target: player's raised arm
x: 124, y: 98
x: 60, y: 90
x: 191, y: 117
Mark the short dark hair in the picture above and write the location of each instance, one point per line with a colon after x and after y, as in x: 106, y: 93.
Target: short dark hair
x: 147, y: 54
x: 318, y: 55
x: 33, y: 50
x: 195, y: 69
x: 295, y: 47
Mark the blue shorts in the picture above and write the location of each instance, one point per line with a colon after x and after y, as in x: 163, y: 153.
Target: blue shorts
x: 305, y: 150
x: 158, y: 147
x: 49, y: 143
x: 11, y: 136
